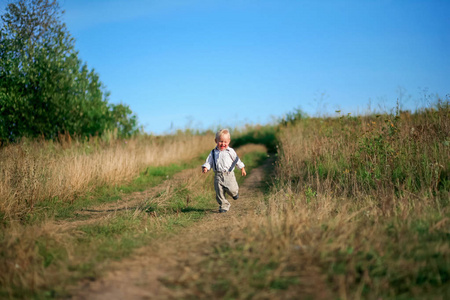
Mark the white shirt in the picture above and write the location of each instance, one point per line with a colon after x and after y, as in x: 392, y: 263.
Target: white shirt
x: 224, y: 160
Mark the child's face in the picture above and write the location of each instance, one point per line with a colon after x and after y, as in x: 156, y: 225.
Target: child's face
x: 223, y: 142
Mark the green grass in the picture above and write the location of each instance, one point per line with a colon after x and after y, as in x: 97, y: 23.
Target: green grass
x: 84, y: 252
x: 265, y: 135
x: 150, y: 177
x: 93, y: 245
x: 410, y: 260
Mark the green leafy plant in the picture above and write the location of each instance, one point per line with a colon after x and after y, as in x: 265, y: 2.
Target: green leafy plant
x: 45, y: 89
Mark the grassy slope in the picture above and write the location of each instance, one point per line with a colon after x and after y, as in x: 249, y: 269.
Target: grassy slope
x: 359, y: 209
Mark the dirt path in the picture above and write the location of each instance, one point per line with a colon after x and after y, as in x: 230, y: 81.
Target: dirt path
x: 136, y: 200
x: 142, y: 275
x: 130, y: 202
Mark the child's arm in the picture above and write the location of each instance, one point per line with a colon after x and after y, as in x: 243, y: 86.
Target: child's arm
x: 239, y: 163
x: 207, y: 165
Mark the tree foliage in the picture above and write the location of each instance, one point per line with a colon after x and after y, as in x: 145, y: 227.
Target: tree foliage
x: 45, y: 90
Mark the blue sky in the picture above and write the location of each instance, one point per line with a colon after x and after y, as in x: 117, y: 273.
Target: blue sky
x: 205, y: 64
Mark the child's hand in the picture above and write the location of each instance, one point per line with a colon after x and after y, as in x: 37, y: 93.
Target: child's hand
x: 204, y: 170
x: 243, y: 173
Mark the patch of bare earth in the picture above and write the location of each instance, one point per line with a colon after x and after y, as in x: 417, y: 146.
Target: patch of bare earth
x: 142, y: 276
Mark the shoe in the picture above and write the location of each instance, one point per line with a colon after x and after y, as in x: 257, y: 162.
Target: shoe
x: 236, y: 197
x: 222, y: 210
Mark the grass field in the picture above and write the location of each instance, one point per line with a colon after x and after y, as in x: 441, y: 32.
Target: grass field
x: 55, y: 242
x: 357, y: 208
x: 35, y: 171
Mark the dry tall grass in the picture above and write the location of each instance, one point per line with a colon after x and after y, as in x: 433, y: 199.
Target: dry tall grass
x: 380, y: 156
x: 32, y: 171
x: 359, y: 209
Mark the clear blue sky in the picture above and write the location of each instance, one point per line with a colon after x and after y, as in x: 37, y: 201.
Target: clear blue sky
x: 212, y: 63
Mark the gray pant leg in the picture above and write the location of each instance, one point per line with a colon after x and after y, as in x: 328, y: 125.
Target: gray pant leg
x: 230, y: 184
x: 225, y: 183
x: 220, y: 192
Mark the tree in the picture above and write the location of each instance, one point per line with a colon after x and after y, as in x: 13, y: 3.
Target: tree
x: 45, y: 89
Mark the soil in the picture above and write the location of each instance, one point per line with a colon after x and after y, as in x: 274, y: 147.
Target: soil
x: 142, y: 275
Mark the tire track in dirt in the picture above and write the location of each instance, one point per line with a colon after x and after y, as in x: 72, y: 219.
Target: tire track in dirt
x: 142, y: 275
x: 131, y: 202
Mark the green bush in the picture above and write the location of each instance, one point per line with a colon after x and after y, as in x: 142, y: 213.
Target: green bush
x: 45, y: 90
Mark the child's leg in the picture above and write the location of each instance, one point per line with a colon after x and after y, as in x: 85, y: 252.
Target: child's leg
x: 220, y: 193
x: 230, y: 185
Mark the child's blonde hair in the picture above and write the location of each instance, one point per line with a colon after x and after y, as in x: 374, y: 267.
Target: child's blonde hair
x: 221, y: 132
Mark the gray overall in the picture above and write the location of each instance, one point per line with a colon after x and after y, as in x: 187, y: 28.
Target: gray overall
x: 224, y: 183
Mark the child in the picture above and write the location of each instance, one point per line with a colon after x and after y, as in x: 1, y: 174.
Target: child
x: 222, y: 160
